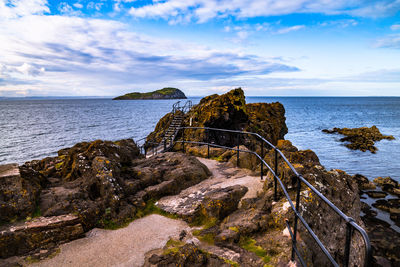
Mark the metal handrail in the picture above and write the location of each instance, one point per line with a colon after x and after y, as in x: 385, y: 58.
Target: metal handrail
x: 350, y: 223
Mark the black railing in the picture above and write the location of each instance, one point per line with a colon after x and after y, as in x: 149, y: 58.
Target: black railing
x: 153, y: 146
x: 185, y: 108
x: 351, y: 225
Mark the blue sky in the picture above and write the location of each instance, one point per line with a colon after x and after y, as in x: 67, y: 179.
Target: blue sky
x: 269, y: 47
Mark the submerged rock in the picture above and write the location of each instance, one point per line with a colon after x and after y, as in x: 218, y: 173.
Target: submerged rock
x: 362, y: 138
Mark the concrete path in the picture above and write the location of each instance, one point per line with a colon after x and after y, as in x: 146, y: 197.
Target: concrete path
x: 123, y: 247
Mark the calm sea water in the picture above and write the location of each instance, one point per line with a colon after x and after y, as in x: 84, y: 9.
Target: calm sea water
x: 33, y: 129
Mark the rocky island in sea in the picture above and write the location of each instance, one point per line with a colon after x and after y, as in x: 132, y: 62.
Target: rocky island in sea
x: 165, y: 93
x: 362, y: 138
x: 222, y: 213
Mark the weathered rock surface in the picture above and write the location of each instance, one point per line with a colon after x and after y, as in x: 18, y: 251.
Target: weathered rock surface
x: 43, y: 233
x: 215, y: 197
x: 336, y: 185
x: 18, y: 195
x: 363, y: 182
x: 229, y: 111
x: 188, y: 255
x: 389, y: 185
x: 362, y: 138
x: 384, y: 240
x: 104, y: 183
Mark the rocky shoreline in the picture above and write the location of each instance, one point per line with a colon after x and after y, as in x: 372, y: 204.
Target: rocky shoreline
x: 363, y: 138
x: 234, y: 219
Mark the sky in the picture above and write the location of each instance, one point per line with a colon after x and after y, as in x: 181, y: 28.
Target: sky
x: 268, y: 47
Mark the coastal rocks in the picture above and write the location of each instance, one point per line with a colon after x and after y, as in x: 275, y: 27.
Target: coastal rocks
x: 384, y: 240
x: 214, y: 204
x: 104, y: 184
x: 362, y: 138
x: 165, y: 174
x: 186, y: 255
x: 337, y: 186
x: 229, y: 111
x: 388, y: 185
x: 376, y: 194
x: 222, y: 202
x: 42, y: 232
x: 18, y: 195
x: 363, y: 182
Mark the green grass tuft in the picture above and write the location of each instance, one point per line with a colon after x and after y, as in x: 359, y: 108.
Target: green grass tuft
x: 249, y: 244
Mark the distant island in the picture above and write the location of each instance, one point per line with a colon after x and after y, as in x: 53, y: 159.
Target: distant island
x: 165, y: 93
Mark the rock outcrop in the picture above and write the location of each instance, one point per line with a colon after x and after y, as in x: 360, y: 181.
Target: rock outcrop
x: 384, y: 192
x: 229, y: 111
x: 39, y: 234
x: 103, y: 183
x: 362, y: 138
x: 186, y: 255
x: 18, y: 195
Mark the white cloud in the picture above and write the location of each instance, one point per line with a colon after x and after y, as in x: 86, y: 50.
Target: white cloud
x: 78, y: 5
x: 19, y: 8
x: 103, y: 57
x: 290, y: 29
x: 395, y: 27
x: 391, y: 41
x: 31, y: 70
x: 204, y: 10
x: 63, y: 7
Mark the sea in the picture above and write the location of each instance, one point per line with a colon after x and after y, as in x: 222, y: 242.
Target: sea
x: 37, y: 128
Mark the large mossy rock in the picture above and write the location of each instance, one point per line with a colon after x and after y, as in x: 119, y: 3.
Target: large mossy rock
x: 229, y: 111
x: 102, y: 183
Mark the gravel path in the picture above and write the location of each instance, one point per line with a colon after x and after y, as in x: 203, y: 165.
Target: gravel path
x: 123, y: 247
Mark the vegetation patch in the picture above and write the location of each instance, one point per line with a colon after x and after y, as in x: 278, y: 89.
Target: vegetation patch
x: 250, y: 244
x: 172, y: 246
x: 150, y: 208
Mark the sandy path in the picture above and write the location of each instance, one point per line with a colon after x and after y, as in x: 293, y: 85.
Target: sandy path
x: 122, y: 247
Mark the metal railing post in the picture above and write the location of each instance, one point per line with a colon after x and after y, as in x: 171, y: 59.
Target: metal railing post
x: 295, y: 217
x: 277, y: 174
x: 262, y: 156
x: 349, y: 232
x: 237, y: 141
x: 208, y: 143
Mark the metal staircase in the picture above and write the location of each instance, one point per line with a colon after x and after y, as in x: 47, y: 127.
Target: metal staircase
x: 170, y: 134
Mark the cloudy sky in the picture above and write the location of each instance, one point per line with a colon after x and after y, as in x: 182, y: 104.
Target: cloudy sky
x: 268, y: 47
